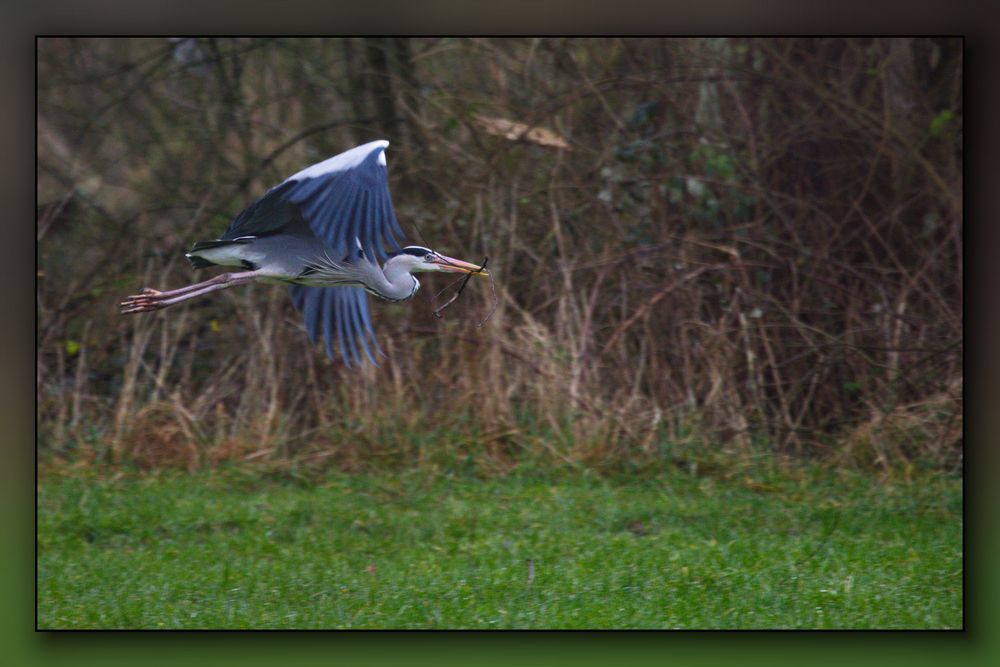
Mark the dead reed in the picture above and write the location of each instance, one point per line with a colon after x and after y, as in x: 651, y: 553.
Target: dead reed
x: 728, y: 246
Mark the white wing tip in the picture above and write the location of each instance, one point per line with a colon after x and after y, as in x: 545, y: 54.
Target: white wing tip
x: 383, y: 144
x: 345, y: 160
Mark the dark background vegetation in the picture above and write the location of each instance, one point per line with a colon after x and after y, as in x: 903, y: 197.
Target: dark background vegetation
x: 700, y: 246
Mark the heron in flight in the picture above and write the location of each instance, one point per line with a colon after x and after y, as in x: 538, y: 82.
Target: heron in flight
x: 321, y: 231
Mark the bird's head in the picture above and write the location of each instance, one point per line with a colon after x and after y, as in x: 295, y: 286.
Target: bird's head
x: 417, y: 259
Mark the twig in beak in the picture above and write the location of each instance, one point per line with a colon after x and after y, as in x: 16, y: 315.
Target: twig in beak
x: 465, y: 281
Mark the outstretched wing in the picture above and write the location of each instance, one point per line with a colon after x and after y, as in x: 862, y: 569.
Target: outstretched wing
x: 340, y: 311
x: 345, y: 200
x: 347, y: 197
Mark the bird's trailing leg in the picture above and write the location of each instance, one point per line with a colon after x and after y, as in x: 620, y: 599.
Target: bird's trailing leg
x: 150, y: 299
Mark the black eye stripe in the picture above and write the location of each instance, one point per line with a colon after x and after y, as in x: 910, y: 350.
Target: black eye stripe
x: 416, y: 251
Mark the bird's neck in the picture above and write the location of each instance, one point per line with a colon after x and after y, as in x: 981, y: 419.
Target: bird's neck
x: 395, y: 283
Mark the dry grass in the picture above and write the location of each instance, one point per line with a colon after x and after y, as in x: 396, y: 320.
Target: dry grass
x: 929, y: 430
x: 747, y: 242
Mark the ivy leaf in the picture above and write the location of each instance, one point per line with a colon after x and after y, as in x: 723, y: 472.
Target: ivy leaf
x: 940, y: 122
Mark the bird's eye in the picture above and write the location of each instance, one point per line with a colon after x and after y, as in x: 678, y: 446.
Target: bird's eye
x: 428, y: 258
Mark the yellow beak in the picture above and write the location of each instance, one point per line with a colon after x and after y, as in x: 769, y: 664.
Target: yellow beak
x: 457, y: 266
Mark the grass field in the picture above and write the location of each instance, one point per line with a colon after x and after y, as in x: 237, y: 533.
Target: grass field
x: 236, y: 549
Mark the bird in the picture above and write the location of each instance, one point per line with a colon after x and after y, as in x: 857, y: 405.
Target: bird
x: 322, y: 232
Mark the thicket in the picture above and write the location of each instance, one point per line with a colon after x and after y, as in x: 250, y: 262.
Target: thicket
x: 723, y: 244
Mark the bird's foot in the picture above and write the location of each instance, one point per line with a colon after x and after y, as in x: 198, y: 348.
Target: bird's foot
x: 146, y: 301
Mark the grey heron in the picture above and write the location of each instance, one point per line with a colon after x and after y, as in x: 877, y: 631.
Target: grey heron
x: 321, y: 232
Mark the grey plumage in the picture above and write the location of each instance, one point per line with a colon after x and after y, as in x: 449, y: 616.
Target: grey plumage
x: 322, y: 231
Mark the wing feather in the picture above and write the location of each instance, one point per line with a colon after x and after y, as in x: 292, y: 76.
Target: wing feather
x: 347, y: 197
x: 365, y: 327
x: 268, y: 214
x: 342, y: 199
x: 340, y: 312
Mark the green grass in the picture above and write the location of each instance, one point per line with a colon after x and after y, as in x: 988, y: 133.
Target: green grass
x: 234, y: 549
